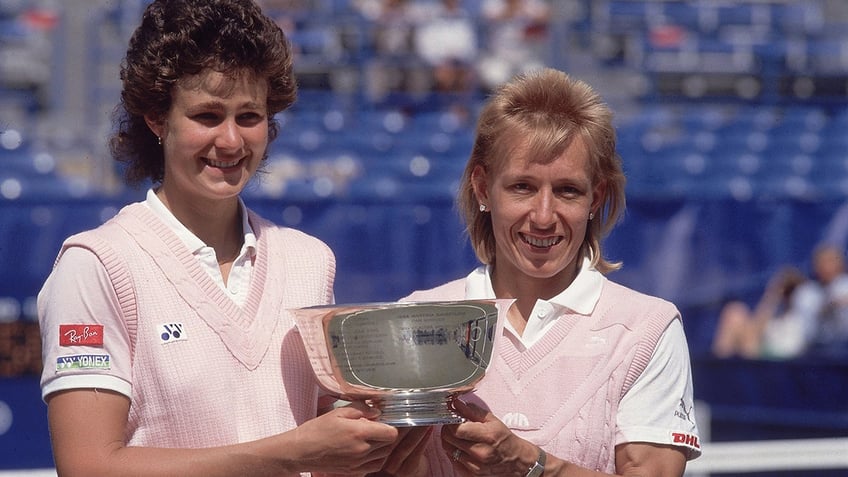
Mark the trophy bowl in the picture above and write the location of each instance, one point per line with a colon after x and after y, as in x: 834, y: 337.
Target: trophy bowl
x: 410, y: 360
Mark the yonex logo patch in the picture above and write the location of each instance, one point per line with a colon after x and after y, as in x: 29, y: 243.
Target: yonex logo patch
x: 83, y: 361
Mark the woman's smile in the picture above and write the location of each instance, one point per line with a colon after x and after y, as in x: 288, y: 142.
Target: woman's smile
x: 540, y: 242
x: 223, y: 164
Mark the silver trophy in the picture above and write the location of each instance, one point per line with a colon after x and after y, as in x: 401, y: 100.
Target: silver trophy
x: 408, y: 359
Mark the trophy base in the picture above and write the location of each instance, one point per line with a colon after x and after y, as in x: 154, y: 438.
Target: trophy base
x: 417, y: 409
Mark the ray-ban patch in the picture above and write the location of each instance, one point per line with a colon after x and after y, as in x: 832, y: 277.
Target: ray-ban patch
x: 80, y: 335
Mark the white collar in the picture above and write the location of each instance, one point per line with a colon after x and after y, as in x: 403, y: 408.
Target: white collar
x: 185, y: 235
x: 580, y: 297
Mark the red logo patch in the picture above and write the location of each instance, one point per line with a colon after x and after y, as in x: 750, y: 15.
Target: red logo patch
x: 686, y: 439
x: 80, y: 335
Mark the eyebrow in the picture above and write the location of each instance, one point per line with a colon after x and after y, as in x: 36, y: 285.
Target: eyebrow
x: 219, y: 105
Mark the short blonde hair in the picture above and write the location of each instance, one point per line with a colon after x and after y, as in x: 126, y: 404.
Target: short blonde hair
x: 542, y: 112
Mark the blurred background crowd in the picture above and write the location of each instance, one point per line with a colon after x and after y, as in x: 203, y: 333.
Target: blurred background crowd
x: 732, y: 124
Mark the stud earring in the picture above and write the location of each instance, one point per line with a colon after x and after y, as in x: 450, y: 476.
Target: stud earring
x: 159, y: 140
x: 482, y: 207
x: 591, y: 215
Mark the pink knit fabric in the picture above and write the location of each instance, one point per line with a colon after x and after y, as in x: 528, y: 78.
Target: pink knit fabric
x: 563, y: 392
x: 236, y: 373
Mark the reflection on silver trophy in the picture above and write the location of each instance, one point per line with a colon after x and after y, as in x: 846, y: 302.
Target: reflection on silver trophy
x: 408, y: 359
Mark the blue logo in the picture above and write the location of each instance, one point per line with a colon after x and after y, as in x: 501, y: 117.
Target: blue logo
x: 170, y: 332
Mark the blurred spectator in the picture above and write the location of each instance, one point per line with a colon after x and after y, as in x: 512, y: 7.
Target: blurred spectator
x: 20, y: 349
x: 517, y: 36
x: 393, y: 19
x: 420, y: 47
x: 316, y: 41
x: 26, y: 51
x: 394, y: 66
x: 781, y: 326
x: 447, y: 41
x: 829, y: 269
x: 795, y: 314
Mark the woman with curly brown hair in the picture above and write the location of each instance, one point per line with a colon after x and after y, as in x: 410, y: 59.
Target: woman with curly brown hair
x: 166, y: 342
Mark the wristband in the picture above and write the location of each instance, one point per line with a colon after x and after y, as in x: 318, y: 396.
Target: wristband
x: 539, y: 467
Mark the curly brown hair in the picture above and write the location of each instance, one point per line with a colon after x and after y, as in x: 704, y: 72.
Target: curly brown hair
x: 178, y: 38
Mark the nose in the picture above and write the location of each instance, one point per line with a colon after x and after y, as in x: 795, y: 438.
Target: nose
x: 229, y: 137
x: 543, y: 214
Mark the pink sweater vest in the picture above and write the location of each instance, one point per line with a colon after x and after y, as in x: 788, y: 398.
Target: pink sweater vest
x: 562, y: 393
x: 234, y: 374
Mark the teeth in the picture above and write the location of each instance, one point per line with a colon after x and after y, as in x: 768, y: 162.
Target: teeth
x: 542, y: 242
x: 221, y: 164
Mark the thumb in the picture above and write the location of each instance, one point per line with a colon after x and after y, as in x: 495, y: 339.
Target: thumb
x: 470, y: 411
x: 357, y: 410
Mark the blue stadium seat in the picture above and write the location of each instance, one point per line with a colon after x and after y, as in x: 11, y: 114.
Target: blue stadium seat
x: 806, y: 18
x: 31, y: 232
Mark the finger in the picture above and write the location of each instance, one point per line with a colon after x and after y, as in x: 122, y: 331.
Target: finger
x: 409, y: 451
x: 366, y: 411
x: 416, y: 464
x: 460, y: 454
x: 456, y: 455
x: 418, y: 437
x: 372, y: 431
x: 413, y: 440
x: 466, y: 467
x: 463, y: 465
x: 449, y: 430
x: 450, y: 441
x: 377, y: 434
x: 470, y: 411
x: 375, y: 460
x: 372, y: 466
x: 413, y: 468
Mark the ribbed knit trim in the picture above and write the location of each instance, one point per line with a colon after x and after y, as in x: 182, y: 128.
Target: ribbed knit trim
x: 652, y: 322
x: 260, y: 265
x: 656, y: 324
x: 521, y: 361
x: 210, y: 289
x: 238, y: 327
x: 119, y: 276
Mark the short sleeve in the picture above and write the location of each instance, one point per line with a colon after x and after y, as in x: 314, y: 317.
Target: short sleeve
x: 659, y: 407
x: 85, y: 343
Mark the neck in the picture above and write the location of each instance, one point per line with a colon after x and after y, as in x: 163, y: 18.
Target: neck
x: 526, y: 290
x: 217, y: 224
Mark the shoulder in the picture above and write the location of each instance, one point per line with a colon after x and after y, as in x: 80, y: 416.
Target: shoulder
x: 107, y: 239
x: 809, y: 296
x: 648, y: 315
x: 839, y: 285
x: 297, y: 250
x: 287, y: 236
x: 619, y: 296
